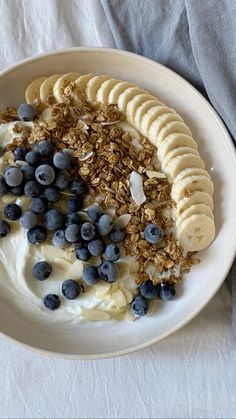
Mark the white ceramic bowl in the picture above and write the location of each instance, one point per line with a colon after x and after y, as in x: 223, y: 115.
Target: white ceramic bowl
x: 101, y: 340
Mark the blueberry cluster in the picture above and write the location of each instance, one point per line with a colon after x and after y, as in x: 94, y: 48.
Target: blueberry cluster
x: 148, y: 291
x: 43, y: 177
x: 70, y: 288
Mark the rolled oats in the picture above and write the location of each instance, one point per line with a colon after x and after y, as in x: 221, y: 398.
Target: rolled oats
x: 93, y: 129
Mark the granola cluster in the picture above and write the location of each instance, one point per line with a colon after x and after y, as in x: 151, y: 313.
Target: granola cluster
x: 104, y: 156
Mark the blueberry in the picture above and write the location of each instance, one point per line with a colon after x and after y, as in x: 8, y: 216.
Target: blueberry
x: 116, y: 235
x: 4, y: 228
x: 72, y: 218
x: 62, y: 160
x: 90, y: 275
x: 12, y: 212
x: 28, y: 220
x: 112, y: 252
x: 17, y: 190
x: 37, y: 234
x: 94, y: 212
x: 26, y: 112
x: 44, y: 148
x: 88, y: 231
x: 75, y: 203
x: 45, y: 174
x: 148, y: 290
x: 33, y: 158
x: 153, y: 233
x: 104, y: 224
x: 6, y: 168
x: 41, y: 270
x: 28, y: 172
x: 52, y: 301
x: 3, y: 186
x: 108, y: 271
x: 70, y: 289
x: 53, y: 219
x: 72, y: 233
x: 83, y: 254
x: 20, y: 153
x: 32, y: 189
x: 78, y: 187
x: 166, y: 291
x: 52, y: 194
x: 96, y: 247
x: 62, y: 182
x: 139, y: 306
x: 13, y: 176
x: 39, y: 205
x: 59, y: 239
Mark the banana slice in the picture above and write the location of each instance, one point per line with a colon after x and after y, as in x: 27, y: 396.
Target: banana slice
x: 93, y: 86
x: 126, y: 96
x: 163, y: 124
x: 151, y: 115
x: 194, y: 209
x: 32, y: 93
x: 178, y: 151
x: 188, y: 185
x: 196, y: 198
x: 179, y: 163
x: 175, y: 140
x: 196, y: 232
x: 46, y: 88
x: 191, y: 171
x: 133, y: 105
x: 105, y: 88
x: 142, y: 109
x: 117, y: 90
x: 81, y: 82
x: 61, y: 83
x: 171, y: 127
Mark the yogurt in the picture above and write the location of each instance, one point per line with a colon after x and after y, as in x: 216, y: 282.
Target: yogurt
x: 18, y: 256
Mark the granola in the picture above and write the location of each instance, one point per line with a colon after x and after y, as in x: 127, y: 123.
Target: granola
x: 104, y: 156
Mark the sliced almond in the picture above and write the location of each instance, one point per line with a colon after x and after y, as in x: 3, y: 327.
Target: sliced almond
x: 122, y: 221
x: 129, y: 316
x: 24, y: 202
x: 101, y: 296
x: 128, y: 296
x: 83, y: 216
x: 70, y: 256
x: 103, y: 288
x: 62, y: 264
x: 95, y: 315
x: 76, y: 269
x: 7, y: 199
x: 119, y: 298
x: 153, y: 174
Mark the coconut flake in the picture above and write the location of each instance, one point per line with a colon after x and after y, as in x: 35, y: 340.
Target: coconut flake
x: 81, y: 124
x: 152, y: 173
x: 109, y: 123
x: 86, y: 156
x: 122, y: 221
x: 136, y: 188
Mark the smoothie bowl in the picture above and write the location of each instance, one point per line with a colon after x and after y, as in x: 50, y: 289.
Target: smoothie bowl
x: 106, y: 202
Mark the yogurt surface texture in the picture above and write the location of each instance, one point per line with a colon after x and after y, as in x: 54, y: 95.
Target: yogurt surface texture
x: 18, y: 256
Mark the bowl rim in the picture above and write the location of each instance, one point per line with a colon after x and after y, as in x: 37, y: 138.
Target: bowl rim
x: 232, y: 148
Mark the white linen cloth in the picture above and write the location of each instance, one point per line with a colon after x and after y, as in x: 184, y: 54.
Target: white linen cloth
x: 191, y: 374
